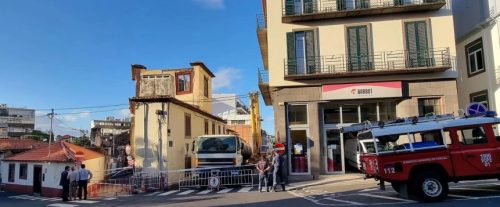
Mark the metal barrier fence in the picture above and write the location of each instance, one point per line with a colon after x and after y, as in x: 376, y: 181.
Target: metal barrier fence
x: 217, y: 178
x: 145, y: 182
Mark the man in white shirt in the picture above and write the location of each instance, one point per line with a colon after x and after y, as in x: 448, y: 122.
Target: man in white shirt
x: 83, y: 178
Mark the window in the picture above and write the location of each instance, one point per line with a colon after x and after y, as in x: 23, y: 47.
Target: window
x: 219, y: 130
x: 187, y: 125
x: 213, y: 127
x: 183, y: 81
x: 12, y: 171
x: 23, y: 171
x: 297, y: 114
x: 472, y: 136
x: 429, y: 105
x: 205, y: 87
x: 368, y: 112
x: 480, y: 97
x: 358, y: 51
x: 295, y: 7
x: 237, y: 121
x: 331, y: 114
x: 302, y: 58
x: 496, y: 129
x: 475, y: 57
x: 417, y: 47
x: 206, y: 126
x: 223, y: 130
x: 350, y: 114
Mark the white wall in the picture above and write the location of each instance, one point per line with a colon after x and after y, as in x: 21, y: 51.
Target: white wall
x: 52, y: 173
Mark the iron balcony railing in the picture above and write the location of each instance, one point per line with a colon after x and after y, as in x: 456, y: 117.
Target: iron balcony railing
x: 261, y: 21
x: 400, y: 60
x: 291, y: 8
x: 263, y: 76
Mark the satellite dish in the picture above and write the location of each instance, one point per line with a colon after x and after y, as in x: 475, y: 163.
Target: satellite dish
x: 476, y: 109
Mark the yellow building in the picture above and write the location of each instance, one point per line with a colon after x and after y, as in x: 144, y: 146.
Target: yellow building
x: 171, y: 108
x: 332, y: 63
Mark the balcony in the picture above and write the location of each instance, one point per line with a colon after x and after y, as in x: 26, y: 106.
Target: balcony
x: 262, y: 37
x: 264, y: 86
x: 310, y: 10
x: 379, y: 63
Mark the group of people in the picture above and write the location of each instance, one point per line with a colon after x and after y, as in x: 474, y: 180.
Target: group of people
x: 73, y: 180
x: 271, y: 171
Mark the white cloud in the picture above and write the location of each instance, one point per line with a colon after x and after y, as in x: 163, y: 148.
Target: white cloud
x: 224, y: 77
x: 211, y: 4
x: 124, y: 113
x: 75, y: 117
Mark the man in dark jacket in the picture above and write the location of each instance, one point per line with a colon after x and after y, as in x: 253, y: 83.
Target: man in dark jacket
x: 64, y: 182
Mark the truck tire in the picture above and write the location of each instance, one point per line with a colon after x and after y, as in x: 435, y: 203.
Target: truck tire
x: 430, y: 186
x: 396, y: 186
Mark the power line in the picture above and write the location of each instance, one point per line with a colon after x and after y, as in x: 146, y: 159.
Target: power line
x: 83, y: 107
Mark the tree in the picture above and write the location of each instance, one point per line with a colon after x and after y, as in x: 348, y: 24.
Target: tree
x: 40, y: 135
x: 82, y: 141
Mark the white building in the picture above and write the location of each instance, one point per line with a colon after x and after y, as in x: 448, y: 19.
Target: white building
x: 477, y: 34
x: 230, y: 108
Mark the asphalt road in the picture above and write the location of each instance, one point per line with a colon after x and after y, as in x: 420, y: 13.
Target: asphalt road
x: 348, y: 193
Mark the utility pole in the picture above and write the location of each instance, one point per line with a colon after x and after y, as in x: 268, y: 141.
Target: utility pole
x: 161, y: 118
x: 51, y: 117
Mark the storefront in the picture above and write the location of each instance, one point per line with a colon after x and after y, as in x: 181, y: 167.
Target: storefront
x: 314, y: 117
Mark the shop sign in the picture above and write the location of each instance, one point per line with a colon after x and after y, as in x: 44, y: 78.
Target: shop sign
x: 362, y: 90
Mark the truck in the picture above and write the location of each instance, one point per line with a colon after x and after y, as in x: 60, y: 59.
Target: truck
x: 215, y: 151
x: 420, y: 156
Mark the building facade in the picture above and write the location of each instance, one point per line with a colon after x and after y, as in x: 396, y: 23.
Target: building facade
x: 477, y: 34
x: 106, y: 129
x: 38, y: 171
x: 16, y: 122
x: 171, y: 108
x: 329, y: 64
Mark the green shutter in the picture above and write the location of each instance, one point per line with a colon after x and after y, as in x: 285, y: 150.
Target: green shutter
x: 398, y: 2
x: 311, y: 58
x: 361, y: 4
x: 417, y: 45
x: 358, y: 54
x: 308, y: 6
x: 341, y: 5
x: 291, y: 60
x: 289, y: 7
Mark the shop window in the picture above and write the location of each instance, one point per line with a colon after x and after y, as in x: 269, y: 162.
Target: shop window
x: 350, y: 114
x: 472, y: 136
x: 480, y: 97
x: 12, y: 172
x: 369, y: 112
x: 297, y: 114
x: 331, y: 114
x: 475, y: 57
x: 429, y: 105
x: 23, y: 171
x: 299, y: 151
x: 387, y: 111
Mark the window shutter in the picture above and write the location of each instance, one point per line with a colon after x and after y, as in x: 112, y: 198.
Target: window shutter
x: 417, y: 44
x: 308, y: 6
x: 352, y: 47
x: 363, y: 48
x: 310, y: 52
x: 291, y: 61
x: 341, y: 5
x: 411, y: 44
x: 289, y: 7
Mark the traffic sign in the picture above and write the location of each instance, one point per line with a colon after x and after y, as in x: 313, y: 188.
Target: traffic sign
x: 280, y: 148
x: 213, y: 182
x: 476, y: 109
x: 79, y: 156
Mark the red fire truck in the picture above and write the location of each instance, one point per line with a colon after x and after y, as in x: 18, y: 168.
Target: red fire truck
x: 420, y: 156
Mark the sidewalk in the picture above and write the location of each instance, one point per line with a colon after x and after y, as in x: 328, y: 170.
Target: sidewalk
x: 326, y: 179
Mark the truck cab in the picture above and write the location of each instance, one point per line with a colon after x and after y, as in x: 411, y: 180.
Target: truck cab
x: 215, y: 151
x: 420, y: 156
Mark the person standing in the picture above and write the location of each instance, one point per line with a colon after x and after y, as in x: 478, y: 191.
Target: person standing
x: 83, y: 178
x: 277, y: 171
x: 262, y: 167
x: 64, y: 182
x: 73, y: 185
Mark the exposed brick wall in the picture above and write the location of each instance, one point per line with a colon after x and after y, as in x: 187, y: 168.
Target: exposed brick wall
x: 24, y: 189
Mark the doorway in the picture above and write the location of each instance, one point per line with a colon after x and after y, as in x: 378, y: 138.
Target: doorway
x: 37, y: 179
x: 334, y: 150
x: 299, y: 151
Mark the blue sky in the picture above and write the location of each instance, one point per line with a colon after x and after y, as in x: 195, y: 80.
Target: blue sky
x: 68, y: 53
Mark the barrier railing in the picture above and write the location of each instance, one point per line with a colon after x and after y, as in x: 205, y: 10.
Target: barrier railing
x: 217, y: 178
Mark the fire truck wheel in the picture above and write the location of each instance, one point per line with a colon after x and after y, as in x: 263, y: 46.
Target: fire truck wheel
x: 431, y: 186
x: 396, y: 186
